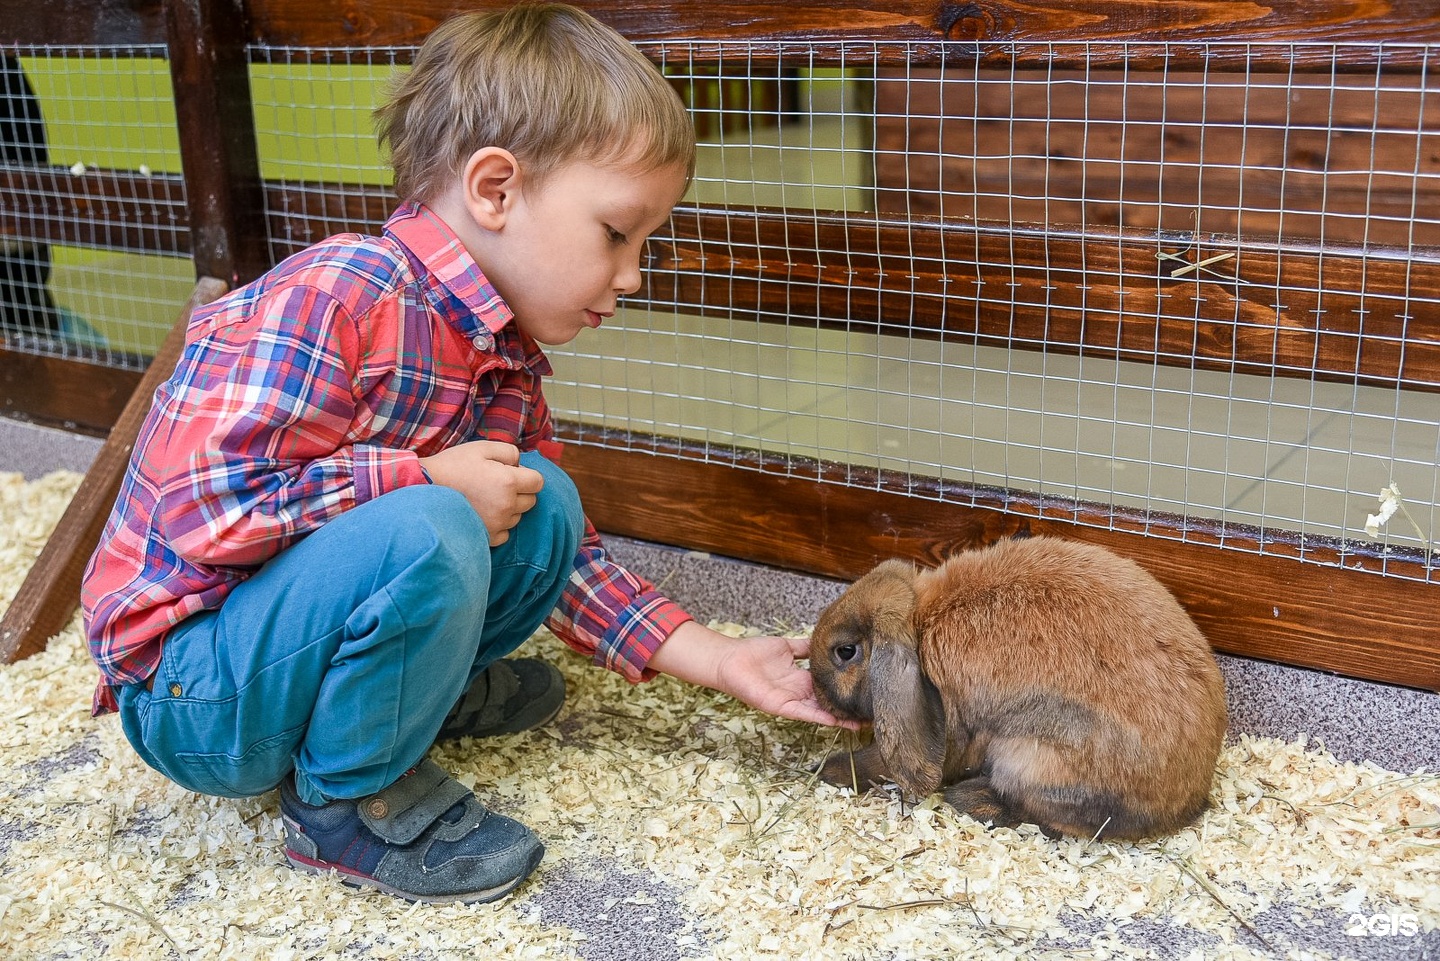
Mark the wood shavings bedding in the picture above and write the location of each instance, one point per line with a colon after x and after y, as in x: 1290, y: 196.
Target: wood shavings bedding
x: 676, y: 818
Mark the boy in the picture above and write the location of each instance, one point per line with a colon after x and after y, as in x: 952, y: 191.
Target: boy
x: 340, y: 513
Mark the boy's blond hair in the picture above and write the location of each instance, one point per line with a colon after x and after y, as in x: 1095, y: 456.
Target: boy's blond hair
x: 546, y: 81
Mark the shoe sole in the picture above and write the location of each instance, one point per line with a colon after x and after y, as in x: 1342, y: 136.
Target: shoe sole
x: 356, y: 880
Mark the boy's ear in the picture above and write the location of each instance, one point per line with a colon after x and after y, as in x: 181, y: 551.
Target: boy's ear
x: 490, y: 182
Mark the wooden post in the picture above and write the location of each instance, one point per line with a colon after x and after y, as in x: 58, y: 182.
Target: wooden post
x: 210, y: 72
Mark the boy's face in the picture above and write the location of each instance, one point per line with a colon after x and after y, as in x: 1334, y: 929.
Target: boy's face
x: 571, y: 246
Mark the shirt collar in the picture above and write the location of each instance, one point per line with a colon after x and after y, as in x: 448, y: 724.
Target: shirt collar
x: 458, y: 290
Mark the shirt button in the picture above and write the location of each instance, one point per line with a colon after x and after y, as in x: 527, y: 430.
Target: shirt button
x: 377, y: 808
x: 482, y: 341
x: 175, y: 690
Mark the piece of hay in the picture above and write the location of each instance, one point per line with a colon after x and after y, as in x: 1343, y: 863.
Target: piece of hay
x: 713, y: 804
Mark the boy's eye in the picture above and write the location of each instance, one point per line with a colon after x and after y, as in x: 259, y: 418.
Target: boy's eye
x: 615, y: 236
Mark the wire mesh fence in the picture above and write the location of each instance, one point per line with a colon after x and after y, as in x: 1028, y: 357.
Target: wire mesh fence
x: 1202, y: 296
x: 1267, y: 206
x: 79, y: 128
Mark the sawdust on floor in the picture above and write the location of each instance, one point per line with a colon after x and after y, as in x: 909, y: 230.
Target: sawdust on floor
x: 726, y: 846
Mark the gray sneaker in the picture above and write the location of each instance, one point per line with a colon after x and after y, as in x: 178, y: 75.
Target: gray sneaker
x: 510, y: 696
x: 424, y: 838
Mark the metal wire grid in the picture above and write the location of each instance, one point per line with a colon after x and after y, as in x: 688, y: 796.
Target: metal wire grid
x: 1288, y: 159
x: 108, y: 116
x: 316, y: 138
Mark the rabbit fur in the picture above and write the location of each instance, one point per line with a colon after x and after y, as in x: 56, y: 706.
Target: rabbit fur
x: 1037, y: 680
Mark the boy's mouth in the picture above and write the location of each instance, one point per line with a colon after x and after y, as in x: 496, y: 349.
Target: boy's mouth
x: 594, y: 319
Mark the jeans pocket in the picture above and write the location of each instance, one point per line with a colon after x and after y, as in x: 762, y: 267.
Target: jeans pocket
x: 190, y: 663
x: 261, y: 768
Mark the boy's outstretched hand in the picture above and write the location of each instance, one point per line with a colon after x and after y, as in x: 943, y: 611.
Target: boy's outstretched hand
x: 489, y: 474
x: 761, y: 671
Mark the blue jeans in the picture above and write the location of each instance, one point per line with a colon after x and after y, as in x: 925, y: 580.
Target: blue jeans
x: 340, y: 658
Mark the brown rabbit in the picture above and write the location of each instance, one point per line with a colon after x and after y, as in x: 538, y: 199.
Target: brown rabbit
x: 1037, y: 681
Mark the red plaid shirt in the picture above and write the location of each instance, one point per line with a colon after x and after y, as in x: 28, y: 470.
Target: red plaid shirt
x: 314, y: 389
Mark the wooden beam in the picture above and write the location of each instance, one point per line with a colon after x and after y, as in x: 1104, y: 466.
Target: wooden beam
x: 51, y: 591
x: 1248, y: 603
x: 100, y: 209
x: 1368, y: 315
x: 306, y: 212
x: 55, y: 23
x: 1356, y: 314
x: 1212, y: 34
x: 370, y: 23
x: 62, y: 391
x: 1110, y: 32
x: 210, y: 71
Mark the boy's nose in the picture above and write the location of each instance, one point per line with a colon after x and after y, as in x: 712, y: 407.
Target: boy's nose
x: 627, y: 279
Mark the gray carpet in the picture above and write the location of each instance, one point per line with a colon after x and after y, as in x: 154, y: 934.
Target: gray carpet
x: 35, y: 451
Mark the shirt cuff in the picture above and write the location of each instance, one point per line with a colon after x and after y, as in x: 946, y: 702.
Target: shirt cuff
x: 637, y: 634
x: 379, y: 470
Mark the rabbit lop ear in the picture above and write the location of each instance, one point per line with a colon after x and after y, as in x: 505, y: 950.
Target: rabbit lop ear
x: 909, y: 713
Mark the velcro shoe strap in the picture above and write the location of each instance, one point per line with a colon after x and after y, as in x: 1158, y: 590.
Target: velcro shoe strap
x: 483, y: 705
x: 401, y: 812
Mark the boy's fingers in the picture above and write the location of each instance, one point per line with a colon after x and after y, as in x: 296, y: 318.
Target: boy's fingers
x: 815, y: 714
x: 529, y: 481
x: 500, y: 452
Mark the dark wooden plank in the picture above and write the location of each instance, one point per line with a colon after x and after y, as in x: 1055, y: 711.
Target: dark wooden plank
x: 1114, y: 32
x: 210, y: 73
x: 1111, y: 29
x: 302, y: 213
x: 107, y: 209
x: 64, y: 22
x: 63, y: 391
x: 331, y: 23
x: 1144, y: 21
x: 51, y: 591
x: 375, y: 23
x: 1255, y: 605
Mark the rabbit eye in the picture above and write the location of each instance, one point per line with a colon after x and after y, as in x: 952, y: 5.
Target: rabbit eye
x: 846, y: 653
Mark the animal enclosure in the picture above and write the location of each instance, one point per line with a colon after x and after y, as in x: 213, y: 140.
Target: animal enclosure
x: 945, y: 274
